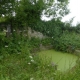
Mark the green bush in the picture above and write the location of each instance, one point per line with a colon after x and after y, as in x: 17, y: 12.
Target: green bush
x: 35, y: 42
x: 46, y: 41
x: 67, y: 42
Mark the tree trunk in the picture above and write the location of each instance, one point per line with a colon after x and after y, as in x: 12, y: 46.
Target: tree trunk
x: 8, y: 33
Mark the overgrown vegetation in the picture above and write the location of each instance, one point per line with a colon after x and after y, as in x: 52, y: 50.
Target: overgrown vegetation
x: 64, y: 37
x: 18, y: 57
x: 17, y: 63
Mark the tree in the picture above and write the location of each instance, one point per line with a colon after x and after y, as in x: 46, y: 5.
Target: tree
x: 30, y: 11
x: 7, y: 8
x: 58, y: 9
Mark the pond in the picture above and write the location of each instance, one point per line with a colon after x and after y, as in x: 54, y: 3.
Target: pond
x: 64, y: 61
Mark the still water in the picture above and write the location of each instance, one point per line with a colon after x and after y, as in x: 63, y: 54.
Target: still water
x: 64, y: 61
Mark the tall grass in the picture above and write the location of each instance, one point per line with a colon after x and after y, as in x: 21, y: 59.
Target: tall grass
x: 17, y: 63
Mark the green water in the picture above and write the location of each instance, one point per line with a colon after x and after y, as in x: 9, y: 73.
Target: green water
x: 65, y: 61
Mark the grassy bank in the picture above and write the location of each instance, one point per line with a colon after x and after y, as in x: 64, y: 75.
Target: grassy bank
x: 19, y: 62
x: 24, y: 66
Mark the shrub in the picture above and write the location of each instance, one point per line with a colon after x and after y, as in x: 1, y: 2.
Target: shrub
x: 67, y: 42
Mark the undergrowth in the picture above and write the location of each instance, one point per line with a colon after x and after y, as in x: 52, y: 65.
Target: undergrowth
x: 18, y: 63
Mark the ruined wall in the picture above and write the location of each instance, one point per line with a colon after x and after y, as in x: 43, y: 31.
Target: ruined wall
x: 36, y: 34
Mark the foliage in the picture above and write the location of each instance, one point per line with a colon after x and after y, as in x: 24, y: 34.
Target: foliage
x: 67, y: 42
x: 63, y: 36
x: 26, y: 66
x: 17, y: 62
x: 12, y: 44
x: 77, y: 28
x: 7, y: 7
x: 46, y: 41
x: 51, y: 28
x: 27, y: 13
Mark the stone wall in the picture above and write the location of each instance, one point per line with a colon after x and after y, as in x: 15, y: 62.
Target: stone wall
x: 36, y: 34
